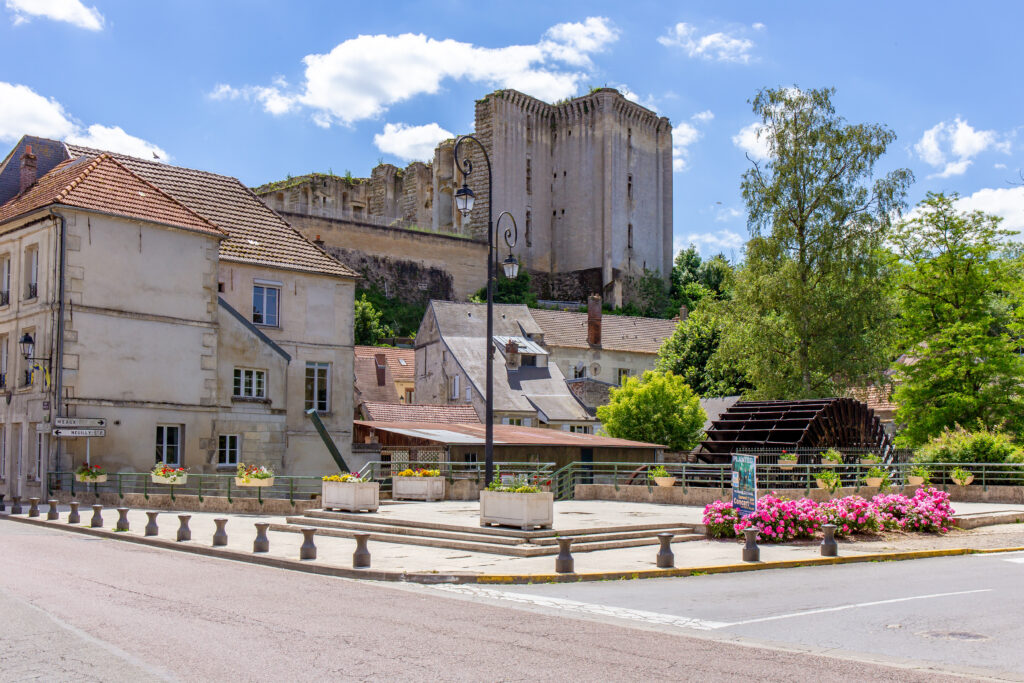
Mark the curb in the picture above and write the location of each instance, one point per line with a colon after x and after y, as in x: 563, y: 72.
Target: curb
x: 507, y: 579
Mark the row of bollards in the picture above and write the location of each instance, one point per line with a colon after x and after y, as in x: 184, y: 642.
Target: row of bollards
x: 752, y: 553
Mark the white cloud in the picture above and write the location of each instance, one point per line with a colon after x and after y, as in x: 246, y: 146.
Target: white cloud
x: 952, y: 145
x: 25, y: 112
x: 753, y: 141
x: 114, y: 139
x: 1007, y: 202
x: 724, y: 214
x: 71, y: 11
x: 999, y: 166
x: 684, y: 135
x: 721, y: 240
x: 633, y: 96
x: 410, y: 142
x: 757, y: 26
x: 703, y: 116
x: 719, y: 46
x: 363, y: 76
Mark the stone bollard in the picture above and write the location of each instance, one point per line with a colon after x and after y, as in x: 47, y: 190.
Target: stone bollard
x: 184, y: 533
x: 829, y: 547
x: 308, y: 549
x: 52, y: 513
x: 97, y: 517
x: 751, y: 553
x: 151, y: 527
x: 15, y: 505
x: 666, y: 559
x: 2, y: 507
x: 564, y: 563
x: 33, y: 507
x: 73, y: 516
x: 361, y: 557
x: 262, y: 542
x: 122, y: 520
x: 220, y: 537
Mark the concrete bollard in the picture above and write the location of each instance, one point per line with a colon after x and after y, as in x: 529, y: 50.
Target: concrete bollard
x: 151, y: 527
x: 2, y: 507
x: 262, y: 542
x: 564, y: 564
x: 220, y: 537
x: 33, y: 507
x: 751, y: 553
x: 829, y: 547
x: 308, y: 549
x: 97, y: 517
x: 52, y: 513
x: 666, y: 559
x: 184, y: 533
x: 122, y: 520
x: 73, y: 516
x: 361, y: 557
x: 15, y: 505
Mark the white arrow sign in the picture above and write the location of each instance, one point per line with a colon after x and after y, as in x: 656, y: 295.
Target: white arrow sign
x: 92, y: 422
x: 68, y: 433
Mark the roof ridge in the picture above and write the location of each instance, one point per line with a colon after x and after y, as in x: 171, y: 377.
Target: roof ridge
x: 77, y: 180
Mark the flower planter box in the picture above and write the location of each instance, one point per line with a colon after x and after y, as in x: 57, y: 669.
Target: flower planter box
x: 873, y: 481
x: 240, y: 481
x: 169, y: 481
x: 417, y: 488
x: 523, y: 510
x: 914, y: 481
x: 351, y: 496
x: 665, y: 481
x: 964, y: 482
x: 787, y: 465
x: 99, y: 479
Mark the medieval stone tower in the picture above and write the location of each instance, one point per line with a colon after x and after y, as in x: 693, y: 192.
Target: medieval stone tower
x: 588, y: 180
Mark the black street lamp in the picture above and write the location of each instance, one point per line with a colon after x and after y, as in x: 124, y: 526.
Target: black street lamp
x: 464, y: 200
x: 28, y: 346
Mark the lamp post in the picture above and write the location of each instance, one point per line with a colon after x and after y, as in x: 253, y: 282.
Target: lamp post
x: 28, y: 346
x: 464, y: 202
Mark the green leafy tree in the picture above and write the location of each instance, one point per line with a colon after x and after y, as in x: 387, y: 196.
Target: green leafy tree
x: 685, y: 268
x: 368, y: 328
x: 956, y: 289
x: 402, y: 317
x: 715, y: 275
x: 691, y: 353
x: 810, y: 314
x: 656, y: 408
x: 506, y: 291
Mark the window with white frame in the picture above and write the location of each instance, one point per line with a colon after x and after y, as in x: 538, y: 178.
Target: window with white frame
x: 623, y: 375
x: 168, y: 444
x: 5, y: 279
x: 514, y: 421
x: 227, y: 449
x: 41, y: 442
x: 3, y: 362
x: 32, y: 272
x: 318, y: 387
x: 580, y: 429
x: 453, y: 388
x: 3, y: 452
x: 266, y: 299
x: 579, y: 370
x: 249, y: 383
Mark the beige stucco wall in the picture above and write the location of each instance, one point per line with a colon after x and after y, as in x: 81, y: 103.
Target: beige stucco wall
x: 609, y: 362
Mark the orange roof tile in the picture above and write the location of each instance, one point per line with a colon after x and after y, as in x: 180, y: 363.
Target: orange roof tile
x: 618, y: 332
x: 400, y: 412
x: 401, y: 362
x: 102, y: 184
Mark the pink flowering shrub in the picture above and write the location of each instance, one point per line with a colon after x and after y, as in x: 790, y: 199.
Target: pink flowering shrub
x: 894, y: 510
x: 778, y: 519
x: 720, y: 518
x: 851, y: 515
x: 932, y: 511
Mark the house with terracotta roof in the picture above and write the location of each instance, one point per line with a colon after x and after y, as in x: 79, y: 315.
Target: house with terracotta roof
x: 607, y: 348
x: 384, y: 375
x: 173, y: 306
x: 420, y: 412
x: 528, y: 389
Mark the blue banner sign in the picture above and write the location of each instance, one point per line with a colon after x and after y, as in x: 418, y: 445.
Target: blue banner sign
x: 744, y: 483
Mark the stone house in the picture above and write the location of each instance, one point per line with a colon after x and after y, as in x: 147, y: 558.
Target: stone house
x: 607, y: 348
x: 384, y: 375
x: 173, y: 305
x: 528, y: 389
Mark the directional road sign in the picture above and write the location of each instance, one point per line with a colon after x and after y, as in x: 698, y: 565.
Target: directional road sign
x: 66, y: 433
x: 87, y: 422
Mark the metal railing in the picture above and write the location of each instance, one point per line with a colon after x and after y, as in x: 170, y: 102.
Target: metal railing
x: 290, y: 488
x: 539, y: 473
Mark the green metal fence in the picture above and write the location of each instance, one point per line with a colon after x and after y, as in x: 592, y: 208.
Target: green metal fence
x: 539, y: 473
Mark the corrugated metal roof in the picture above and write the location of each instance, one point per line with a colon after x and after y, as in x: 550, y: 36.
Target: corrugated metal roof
x: 508, y: 435
x: 525, y: 345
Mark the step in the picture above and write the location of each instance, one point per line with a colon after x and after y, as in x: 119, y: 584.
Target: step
x: 361, y: 525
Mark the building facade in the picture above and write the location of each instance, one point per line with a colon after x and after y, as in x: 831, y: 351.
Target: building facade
x: 172, y: 305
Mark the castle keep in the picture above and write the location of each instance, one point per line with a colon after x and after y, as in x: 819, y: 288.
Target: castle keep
x: 589, y: 182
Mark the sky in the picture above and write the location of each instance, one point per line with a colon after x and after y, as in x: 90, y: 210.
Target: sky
x: 261, y: 90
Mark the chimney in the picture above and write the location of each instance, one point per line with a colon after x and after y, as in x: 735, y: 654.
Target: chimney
x: 512, y: 355
x: 684, y: 312
x: 318, y: 242
x: 381, y: 363
x: 594, y: 320
x: 28, y: 169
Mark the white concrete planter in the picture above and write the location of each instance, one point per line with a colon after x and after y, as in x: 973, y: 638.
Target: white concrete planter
x: 240, y: 481
x: 914, y: 481
x: 966, y: 481
x: 665, y: 481
x: 523, y: 510
x: 168, y: 481
x: 351, y: 496
x: 873, y: 481
x: 91, y: 480
x: 417, y: 488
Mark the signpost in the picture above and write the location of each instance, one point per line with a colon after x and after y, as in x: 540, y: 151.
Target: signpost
x: 744, y: 484
x: 73, y: 427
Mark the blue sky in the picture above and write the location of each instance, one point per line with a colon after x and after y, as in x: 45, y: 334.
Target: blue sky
x: 261, y: 89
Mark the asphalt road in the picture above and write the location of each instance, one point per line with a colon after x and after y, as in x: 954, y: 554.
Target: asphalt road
x: 90, y: 609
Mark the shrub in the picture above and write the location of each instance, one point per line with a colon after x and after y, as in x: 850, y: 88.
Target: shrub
x: 720, y: 518
x: 894, y: 510
x: 851, y: 515
x: 960, y: 445
x: 778, y: 519
x: 932, y: 511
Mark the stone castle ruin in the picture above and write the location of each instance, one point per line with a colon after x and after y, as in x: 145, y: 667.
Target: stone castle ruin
x: 588, y: 180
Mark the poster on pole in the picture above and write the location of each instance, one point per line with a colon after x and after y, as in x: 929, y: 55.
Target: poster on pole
x: 744, y: 483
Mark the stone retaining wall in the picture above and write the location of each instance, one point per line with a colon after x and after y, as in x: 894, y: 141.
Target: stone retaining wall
x: 162, y: 501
